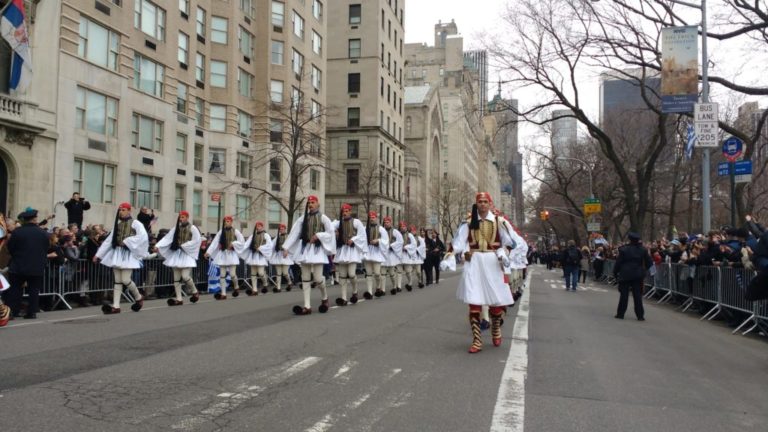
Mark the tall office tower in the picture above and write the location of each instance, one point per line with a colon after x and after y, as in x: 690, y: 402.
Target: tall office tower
x: 366, y: 154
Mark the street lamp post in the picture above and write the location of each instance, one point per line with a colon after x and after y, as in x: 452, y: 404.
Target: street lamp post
x: 589, y: 171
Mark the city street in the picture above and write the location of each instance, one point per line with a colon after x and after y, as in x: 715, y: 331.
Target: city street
x: 392, y: 364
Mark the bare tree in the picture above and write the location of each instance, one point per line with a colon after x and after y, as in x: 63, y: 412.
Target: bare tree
x: 453, y: 198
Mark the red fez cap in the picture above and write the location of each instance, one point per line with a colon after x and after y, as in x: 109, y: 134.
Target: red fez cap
x: 312, y: 198
x: 388, y: 219
x: 124, y: 205
x: 281, y: 226
x: 346, y: 206
x: 403, y: 224
x: 259, y: 223
x: 228, y: 218
x: 485, y: 195
x: 372, y: 214
x: 184, y: 213
x: 413, y: 228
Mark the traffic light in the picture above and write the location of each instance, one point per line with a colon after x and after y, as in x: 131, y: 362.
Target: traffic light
x: 544, y: 215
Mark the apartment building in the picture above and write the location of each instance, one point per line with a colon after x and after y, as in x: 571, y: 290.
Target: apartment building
x: 366, y: 152
x: 175, y: 105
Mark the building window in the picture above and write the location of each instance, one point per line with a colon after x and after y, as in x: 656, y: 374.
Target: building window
x: 245, y: 40
x: 183, y: 53
x: 98, y: 44
x: 277, y: 52
x: 96, y: 112
x: 274, y: 212
x: 218, y: 158
x: 145, y: 191
x: 353, y: 180
x: 148, y: 76
x: 297, y: 99
x: 353, y: 117
x: 276, y: 91
x: 200, y: 25
x: 215, y: 207
x: 218, y: 118
x: 317, y: 43
x: 275, y: 131
x: 353, y: 149
x: 317, y: 78
x: 244, y: 163
x: 200, y: 67
x: 219, y: 30
x: 244, y: 83
x: 247, y: 7
x: 354, y: 48
x: 278, y: 14
x: 315, y: 145
x: 353, y: 83
x: 200, y: 112
x: 184, y: 6
x: 242, y: 207
x: 381, y: 86
x: 275, y: 168
x: 197, y: 204
x: 181, y: 98
x: 297, y: 63
x: 298, y: 25
x: 179, y: 201
x: 314, y: 179
x: 218, y: 74
x: 317, y: 9
x: 95, y: 181
x: 244, y: 122
x: 316, y: 110
x: 355, y: 13
x: 147, y: 133
x: 199, y: 152
x: 149, y: 18
x: 181, y: 148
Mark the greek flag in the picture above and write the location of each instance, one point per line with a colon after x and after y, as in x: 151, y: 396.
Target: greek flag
x: 14, y: 31
x: 690, y: 142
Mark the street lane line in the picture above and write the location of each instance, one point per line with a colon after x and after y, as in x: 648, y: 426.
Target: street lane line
x: 345, y: 368
x: 509, y: 413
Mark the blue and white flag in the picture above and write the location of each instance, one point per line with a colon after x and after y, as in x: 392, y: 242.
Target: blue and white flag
x: 14, y: 31
x: 690, y: 142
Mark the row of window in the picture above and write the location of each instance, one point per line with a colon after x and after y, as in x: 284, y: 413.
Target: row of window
x: 97, y: 182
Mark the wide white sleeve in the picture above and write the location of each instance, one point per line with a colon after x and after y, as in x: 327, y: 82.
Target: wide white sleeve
x: 460, y: 242
x: 138, y: 243
x: 213, y: 247
x: 192, y: 247
x: 361, y: 237
x: 397, y: 245
x: 267, y: 248
x: 328, y: 237
x: 293, y: 238
x: 410, y: 248
x: 383, y: 239
x: 241, y: 249
x: 164, y: 245
x: 105, y: 246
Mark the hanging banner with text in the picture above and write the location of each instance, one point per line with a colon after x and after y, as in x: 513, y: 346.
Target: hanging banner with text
x: 679, y: 68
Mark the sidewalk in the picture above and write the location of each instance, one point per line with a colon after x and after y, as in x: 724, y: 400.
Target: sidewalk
x: 591, y: 372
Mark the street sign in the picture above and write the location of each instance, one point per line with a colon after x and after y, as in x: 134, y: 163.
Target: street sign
x: 744, y: 178
x: 592, y: 206
x: 743, y: 167
x: 732, y: 148
x: 215, y: 197
x: 705, y: 124
x: 593, y: 226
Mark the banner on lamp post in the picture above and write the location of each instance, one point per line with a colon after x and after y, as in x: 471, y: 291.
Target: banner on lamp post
x: 679, y: 68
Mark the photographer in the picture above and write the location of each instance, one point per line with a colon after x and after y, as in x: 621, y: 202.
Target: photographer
x: 75, y: 208
x: 145, y: 216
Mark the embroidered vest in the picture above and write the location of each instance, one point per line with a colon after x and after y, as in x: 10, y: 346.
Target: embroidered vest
x: 185, y: 233
x: 229, y: 237
x: 258, y: 240
x: 486, y: 238
x: 347, y: 230
x: 124, y: 230
x: 279, y: 241
x: 373, y: 232
x: 315, y: 224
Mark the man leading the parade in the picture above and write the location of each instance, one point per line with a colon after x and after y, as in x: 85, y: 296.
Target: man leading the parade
x: 123, y: 250
x: 310, y: 242
x: 180, y: 248
x: 482, y: 241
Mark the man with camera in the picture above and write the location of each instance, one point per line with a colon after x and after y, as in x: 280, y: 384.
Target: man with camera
x: 75, y: 208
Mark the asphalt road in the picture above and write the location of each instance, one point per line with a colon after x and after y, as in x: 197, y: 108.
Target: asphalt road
x: 393, y: 364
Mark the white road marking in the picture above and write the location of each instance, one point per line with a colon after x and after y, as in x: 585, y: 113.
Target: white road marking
x: 509, y: 413
x: 345, y: 368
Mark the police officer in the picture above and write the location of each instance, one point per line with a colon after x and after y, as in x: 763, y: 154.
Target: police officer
x: 632, y: 263
x: 28, y: 247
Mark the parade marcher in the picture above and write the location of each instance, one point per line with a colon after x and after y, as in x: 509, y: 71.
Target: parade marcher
x: 310, y: 242
x: 180, y: 248
x: 419, y: 256
x: 482, y: 241
x: 630, y: 269
x: 408, y: 257
x: 28, y: 249
x: 75, y: 208
x: 393, y: 265
x: 352, y: 242
x: 123, y: 250
x: 256, y: 253
x: 378, y: 243
x: 222, y: 251
x: 279, y: 262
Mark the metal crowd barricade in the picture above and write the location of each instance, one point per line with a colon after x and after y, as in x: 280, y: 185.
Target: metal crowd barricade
x: 735, y: 282
x: 661, y: 281
x: 608, y: 271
